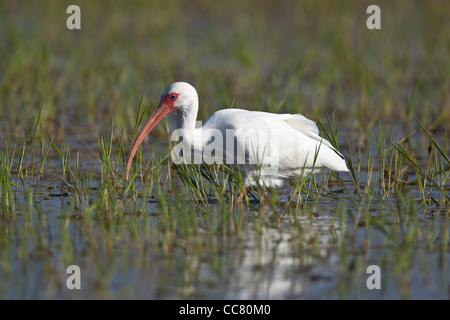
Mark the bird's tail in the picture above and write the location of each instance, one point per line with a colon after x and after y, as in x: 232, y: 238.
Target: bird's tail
x: 330, y: 158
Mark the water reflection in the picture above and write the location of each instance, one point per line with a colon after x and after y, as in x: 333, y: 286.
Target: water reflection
x: 271, y: 261
x: 223, y: 255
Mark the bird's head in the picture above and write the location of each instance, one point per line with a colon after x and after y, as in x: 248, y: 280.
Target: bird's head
x: 180, y: 96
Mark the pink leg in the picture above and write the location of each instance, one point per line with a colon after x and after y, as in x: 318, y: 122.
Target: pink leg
x: 240, y: 196
x: 266, y: 196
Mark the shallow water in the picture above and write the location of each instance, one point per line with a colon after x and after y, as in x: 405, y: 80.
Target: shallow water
x: 295, y: 57
x: 249, y: 255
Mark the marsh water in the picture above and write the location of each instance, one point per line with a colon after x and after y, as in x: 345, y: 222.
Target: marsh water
x: 309, y: 251
x: 71, y: 102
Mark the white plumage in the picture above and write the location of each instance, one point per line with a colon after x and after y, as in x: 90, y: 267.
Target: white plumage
x: 269, y: 147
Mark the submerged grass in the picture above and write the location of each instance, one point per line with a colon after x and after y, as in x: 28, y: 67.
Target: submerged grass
x: 72, y: 102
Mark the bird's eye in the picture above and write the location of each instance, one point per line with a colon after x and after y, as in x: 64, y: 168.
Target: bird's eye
x: 172, y: 97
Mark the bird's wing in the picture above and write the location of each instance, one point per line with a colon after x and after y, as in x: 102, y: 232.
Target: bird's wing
x: 308, y: 128
x: 249, y: 129
x: 296, y: 121
x: 238, y: 119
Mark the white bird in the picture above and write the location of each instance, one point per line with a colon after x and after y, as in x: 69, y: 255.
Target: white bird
x: 271, y: 147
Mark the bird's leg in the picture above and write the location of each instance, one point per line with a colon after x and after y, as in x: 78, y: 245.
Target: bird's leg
x: 264, y: 200
x: 266, y: 197
x: 240, y: 196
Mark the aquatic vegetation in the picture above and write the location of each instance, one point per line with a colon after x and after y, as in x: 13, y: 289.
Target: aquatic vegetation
x: 72, y: 102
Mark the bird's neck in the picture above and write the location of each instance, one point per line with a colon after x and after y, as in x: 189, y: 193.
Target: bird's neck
x: 186, y: 118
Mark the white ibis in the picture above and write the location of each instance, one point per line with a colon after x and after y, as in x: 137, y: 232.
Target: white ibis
x: 273, y: 146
